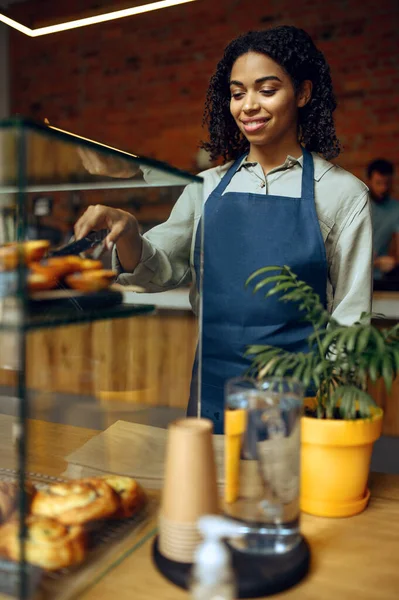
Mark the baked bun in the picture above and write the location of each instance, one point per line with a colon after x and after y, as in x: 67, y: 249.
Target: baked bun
x: 76, y: 502
x: 8, y: 257
x: 131, y: 495
x: 60, y: 266
x: 91, y: 281
x: 88, y: 264
x: 9, y: 498
x: 45, y: 280
x: 33, y: 250
x: 49, y: 544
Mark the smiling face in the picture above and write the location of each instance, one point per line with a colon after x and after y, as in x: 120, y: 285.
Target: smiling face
x: 263, y: 101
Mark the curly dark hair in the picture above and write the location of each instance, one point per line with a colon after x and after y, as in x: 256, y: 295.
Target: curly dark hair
x: 293, y: 49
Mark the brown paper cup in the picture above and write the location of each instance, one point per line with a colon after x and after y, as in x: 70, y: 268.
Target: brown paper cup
x: 178, y: 541
x: 190, y: 488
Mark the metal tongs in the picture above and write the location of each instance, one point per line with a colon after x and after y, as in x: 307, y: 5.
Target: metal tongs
x: 95, y: 239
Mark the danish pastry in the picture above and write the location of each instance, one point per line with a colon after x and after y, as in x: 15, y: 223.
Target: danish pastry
x: 8, y: 257
x: 49, y: 544
x: 33, y: 250
x: 59, y: 266
x: 76, y: 502
x: 45, y: 280
x: 88, y: 264
x: 131, y: 495
x: 91, y: 281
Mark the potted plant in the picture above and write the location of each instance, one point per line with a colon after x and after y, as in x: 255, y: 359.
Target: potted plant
x: 341, y: 422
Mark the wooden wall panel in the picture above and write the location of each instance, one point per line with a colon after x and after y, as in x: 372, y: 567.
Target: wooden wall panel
x: 143, y: 360
x: 147, y: 360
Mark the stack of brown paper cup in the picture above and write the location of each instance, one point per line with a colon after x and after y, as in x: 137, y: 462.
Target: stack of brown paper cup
x: 190, y: 488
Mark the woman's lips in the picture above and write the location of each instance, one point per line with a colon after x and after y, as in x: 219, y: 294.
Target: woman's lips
x: 254, y: 126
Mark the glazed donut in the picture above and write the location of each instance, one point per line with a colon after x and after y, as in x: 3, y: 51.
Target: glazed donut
x: 91, y: 281
x: 76, y: 502
x: 131, y: 495
x: 49, y: 544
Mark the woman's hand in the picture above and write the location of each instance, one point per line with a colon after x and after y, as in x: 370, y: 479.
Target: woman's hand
x: 110, y: 166
x: 123, y: 231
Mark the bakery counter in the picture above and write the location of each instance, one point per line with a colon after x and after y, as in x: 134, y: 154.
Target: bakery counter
x: 384, y: 303
x: 387, y: 305
x: 145, y: 360
x: 170, y: 300
x: 352, y: 558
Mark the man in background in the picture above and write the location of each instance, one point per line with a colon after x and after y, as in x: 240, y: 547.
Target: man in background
x: 385, y: 216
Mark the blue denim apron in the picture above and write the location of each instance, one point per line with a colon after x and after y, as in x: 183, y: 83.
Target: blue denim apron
x: 244, y: 232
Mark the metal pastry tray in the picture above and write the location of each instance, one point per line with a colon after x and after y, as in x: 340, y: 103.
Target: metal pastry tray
x: 102, y: 535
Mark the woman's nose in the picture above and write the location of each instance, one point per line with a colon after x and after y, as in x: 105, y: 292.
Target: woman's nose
x: 250, y: 104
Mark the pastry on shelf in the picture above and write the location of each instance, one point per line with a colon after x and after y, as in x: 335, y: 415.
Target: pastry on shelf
x: 91, y: 281
x: 88, y: 264
x: 9, y: 498
x: 76, y: 502
x: 66, y: 265
x: 45, y: 280
x: 49, y: 544
x: 60, y: 266
x: 8, y: 257
x: 131, y: 495
x: 32, y: 251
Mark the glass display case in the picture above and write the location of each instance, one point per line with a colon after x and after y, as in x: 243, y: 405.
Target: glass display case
x: 91, y: 371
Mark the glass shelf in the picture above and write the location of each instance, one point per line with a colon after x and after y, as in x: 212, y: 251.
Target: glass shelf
x: 62, y: 317
x: 40, y: 158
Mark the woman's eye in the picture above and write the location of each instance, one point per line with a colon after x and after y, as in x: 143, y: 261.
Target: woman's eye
x: 268, y: 92
x: 237, y: 95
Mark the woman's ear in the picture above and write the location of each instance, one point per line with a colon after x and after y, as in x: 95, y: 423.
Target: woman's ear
x: 304, y: 93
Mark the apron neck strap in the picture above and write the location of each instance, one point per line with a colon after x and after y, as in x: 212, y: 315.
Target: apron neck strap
x: 307, y: 190
x: 224, y: 182
x: 307, y: 175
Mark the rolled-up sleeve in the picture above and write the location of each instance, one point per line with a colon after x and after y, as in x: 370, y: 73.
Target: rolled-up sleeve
x: 352, y: 263
x: 165, y: 257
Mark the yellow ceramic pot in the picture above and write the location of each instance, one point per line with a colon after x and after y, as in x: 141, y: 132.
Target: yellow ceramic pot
x: 335, y: 463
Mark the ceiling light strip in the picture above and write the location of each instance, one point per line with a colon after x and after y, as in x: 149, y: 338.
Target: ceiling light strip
x: 15, y: 25
x: 117, y: 14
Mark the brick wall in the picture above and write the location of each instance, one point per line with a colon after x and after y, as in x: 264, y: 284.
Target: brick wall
x: 140, y: 83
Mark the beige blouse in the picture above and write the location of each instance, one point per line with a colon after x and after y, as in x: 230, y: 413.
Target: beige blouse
x: 343, y: 210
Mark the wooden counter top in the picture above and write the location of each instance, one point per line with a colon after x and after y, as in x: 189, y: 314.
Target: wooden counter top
x: 354, y: 558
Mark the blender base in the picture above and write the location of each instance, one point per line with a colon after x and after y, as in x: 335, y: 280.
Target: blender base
x: 257, y: 575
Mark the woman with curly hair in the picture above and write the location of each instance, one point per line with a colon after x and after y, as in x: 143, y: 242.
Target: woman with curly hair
x: 275, y: 200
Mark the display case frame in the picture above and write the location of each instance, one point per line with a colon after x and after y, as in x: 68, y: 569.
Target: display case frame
x: 41, y: 159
